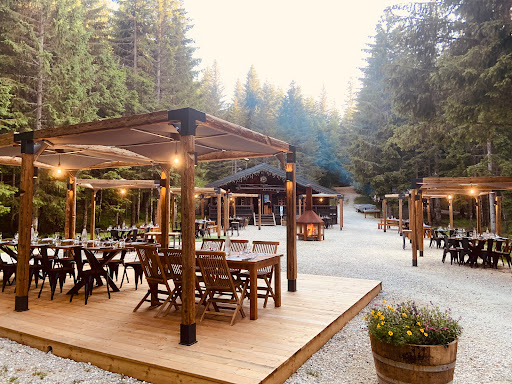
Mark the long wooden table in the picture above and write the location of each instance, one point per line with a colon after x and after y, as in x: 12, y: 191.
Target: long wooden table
x: 257, y: 261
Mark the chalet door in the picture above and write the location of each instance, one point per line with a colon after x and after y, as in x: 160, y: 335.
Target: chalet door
x: 267, y: 210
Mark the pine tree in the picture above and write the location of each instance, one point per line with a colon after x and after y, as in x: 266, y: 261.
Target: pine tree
x: 212, y: 92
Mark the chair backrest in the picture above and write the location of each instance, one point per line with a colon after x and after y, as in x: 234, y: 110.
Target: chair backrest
x: 239, y: 245
x: 215, y: 271
x: 151, y: 264
x: 212, y: 245
x: 489, y: 244
x: 46, y: 266
x: 465, y: 243
x: 265, y: 246
x: 173, y: 262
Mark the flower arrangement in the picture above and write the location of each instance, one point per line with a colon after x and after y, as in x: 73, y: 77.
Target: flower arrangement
x: 406, y: 323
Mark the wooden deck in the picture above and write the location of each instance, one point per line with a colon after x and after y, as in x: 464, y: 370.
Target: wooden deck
x: 108, y: 334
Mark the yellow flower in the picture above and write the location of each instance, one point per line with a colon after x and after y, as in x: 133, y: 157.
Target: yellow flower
x: 418, y: 316
x: 409, y: 333
x: 383, y: 301
x: 382, y: 322
x: 418, y: 323
x: 379, y: 313
x: 366, y: 317
x: 390, y: 333
x: 378, y: 325
x: 372, y: 312
x: 382, y: 317
x: 426, y: 334
x: 389, y: 307
x: 421, y: 330
x: 407, y: 326
x: 404, y: 315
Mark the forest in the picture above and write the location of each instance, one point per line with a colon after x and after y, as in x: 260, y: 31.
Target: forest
x: 434, y: 97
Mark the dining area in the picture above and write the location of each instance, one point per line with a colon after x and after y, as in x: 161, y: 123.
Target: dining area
x: 466, y: 247
x: 92, y: 264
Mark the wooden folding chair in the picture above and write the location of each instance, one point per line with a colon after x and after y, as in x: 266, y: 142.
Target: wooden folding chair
x: 219, y: 283
x: 239, y: 245
x: 266, y: 273
x: 155, y: 272
x: 212, y: 245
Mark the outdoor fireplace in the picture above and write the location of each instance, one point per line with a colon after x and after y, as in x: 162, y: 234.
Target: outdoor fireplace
x: 310, y: 226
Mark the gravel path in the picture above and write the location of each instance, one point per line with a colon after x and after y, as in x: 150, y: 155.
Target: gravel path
x: 482, y: 297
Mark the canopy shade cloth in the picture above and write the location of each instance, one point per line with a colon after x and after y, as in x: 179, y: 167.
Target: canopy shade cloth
x: 141, y: 140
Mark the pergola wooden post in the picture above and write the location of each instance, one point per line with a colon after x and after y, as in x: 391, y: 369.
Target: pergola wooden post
x: 219, y: 214
x: 188, y: 118
x: 340, y: 201
x: 291, y: 222
x: 259, y: 212
x: 419, y: 223
x: 300, y: 205
x: 25, y: 222
x: 234, y: 206
x: 385, y: 213
x: 400, y: 214
x: 498, y: 214
x: 226, y: 214
x: 164, y: 202
x: 412, y: 226
x: 70, y: 211
x: 93, y: 212
x: 450, y: 210
x: 478, y: 215
x: 201, y: 204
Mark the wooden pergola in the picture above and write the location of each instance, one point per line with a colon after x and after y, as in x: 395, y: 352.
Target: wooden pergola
x: 98, y: 184
x: 448, y: 187
x: 177, y: 138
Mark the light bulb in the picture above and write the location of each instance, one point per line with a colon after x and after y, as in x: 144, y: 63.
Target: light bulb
x: 123, y: 191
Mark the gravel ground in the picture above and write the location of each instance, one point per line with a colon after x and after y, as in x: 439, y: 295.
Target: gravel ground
x: 482, y: 297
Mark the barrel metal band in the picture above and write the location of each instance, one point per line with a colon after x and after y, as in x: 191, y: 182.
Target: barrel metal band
x: 411, y: 367
x: 388, y: 380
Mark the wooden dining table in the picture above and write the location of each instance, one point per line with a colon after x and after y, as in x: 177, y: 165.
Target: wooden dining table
x: 252, y: 262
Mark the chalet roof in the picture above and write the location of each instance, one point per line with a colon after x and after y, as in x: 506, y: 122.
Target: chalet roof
x: 151, y: 138
x: 268, y: 169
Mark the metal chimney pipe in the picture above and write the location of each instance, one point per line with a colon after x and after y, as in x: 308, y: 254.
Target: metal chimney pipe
x: 309, y: 198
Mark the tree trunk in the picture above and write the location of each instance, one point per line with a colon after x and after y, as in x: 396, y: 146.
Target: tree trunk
x: 158, y: 58
x: 437, y: 211
x: 40, y: 74
x: 133, y: 211
x: 489, y: 156
x: 86, y: 214
x: 146, y: 209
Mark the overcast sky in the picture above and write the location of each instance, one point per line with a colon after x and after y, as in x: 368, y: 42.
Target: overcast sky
x: 314, y: 43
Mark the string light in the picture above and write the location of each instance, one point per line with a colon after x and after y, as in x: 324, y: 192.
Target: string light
x: 59, y: 168
x: 176, y: 158
x: 122, y: 191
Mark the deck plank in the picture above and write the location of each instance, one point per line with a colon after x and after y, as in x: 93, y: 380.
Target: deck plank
x: 108, y: 334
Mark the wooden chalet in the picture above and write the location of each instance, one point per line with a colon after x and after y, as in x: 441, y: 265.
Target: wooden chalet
x: 262, y: 189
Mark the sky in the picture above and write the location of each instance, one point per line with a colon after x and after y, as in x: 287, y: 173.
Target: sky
x: 314, y: 43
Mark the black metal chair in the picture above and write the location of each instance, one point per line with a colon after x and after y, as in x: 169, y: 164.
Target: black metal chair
x: 464, y: 251
x: 450, y: 248
x: 54, y: 274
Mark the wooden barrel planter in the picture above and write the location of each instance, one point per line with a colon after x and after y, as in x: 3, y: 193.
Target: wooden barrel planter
x: 414, y: 364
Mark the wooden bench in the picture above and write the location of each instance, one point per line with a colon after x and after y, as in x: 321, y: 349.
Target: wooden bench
x: 390, y: 223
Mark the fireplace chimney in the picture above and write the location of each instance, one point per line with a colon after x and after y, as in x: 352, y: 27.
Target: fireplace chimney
x: 309, y: 198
